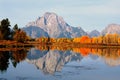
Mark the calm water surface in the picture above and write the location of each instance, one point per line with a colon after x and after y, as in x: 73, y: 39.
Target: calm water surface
x: 57, y: 64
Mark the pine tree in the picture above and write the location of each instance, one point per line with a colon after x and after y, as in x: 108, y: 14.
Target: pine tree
x: 5, y: 31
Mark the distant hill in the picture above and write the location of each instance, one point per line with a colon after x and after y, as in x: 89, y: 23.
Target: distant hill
x: 111, y: 29
x: 94, y: 33
x: 52, y: 25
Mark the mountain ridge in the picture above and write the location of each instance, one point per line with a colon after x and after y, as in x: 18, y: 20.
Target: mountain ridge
x: 55, y: 26
x: 94, y: 33
x: 111, y: 29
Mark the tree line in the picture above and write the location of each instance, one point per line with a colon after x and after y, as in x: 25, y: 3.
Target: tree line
x: 16, y: 34
x: 8, y: 33
x: 103, y: 39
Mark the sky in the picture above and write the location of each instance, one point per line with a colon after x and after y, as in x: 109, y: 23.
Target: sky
x: 88, y: 14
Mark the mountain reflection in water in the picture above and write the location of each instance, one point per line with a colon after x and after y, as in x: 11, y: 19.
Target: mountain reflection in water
x: 51, y: 59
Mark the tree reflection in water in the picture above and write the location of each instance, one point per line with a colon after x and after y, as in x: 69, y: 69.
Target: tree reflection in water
x: 14, y: 56
x: 51, y: 59
x: 18, y: 56
x: 111, y: 56
x: 4, y: 60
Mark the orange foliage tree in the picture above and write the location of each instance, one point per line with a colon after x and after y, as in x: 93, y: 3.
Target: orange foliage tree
x: 20, y: 36
x: 85, y: 39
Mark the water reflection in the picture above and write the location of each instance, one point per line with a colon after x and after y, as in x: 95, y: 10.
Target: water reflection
x: 18, y: 56
x: 51, y: 59
x: 14, y: 56
x: 111, y: 56
x: 4, y: 60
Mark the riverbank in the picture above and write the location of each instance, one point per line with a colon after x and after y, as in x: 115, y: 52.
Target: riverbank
x: 14, y: 44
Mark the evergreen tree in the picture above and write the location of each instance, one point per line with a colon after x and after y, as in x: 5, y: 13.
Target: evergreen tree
x: 5, y: 31
x: 15, y: 28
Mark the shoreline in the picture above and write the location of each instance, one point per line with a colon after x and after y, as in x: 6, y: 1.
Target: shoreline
x: 15, y: 44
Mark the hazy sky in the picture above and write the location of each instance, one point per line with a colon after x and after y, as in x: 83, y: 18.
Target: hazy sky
x: 88, y: 14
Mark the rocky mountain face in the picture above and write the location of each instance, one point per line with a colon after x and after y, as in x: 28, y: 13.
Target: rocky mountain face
x: 111, y: 29
x: 53, y: 25
x: 35, y: 32
x: 94, y: 33
x: 51, y: 61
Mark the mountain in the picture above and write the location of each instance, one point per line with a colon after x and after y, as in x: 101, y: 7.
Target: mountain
x: 94, y: 33
x: 54, y: 26
x: 35, y: 32
x: 111, y: 29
